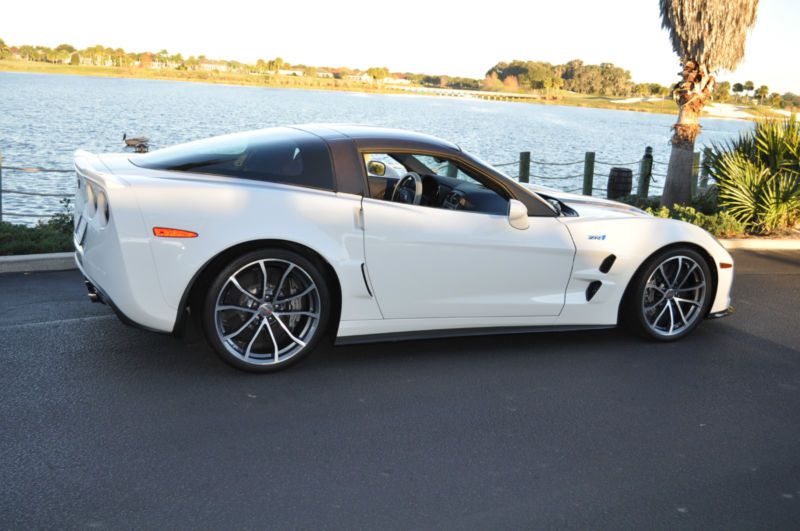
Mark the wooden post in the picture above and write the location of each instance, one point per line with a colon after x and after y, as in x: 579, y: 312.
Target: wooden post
x: 645, y: 173
x: 588, y: 172
x: 695, y: 171
x: 525, y: 166
x: 705, y: 169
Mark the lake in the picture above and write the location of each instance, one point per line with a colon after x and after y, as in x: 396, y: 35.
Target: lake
x: 44, y: 118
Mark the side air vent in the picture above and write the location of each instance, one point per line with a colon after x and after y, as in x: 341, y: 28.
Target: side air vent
x: 592, y: 288
x: 608, y: 261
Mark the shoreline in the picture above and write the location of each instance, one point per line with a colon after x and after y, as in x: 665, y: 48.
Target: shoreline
x: 642, y: 105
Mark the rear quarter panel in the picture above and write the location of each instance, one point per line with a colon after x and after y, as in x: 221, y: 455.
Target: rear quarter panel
x: 226, y: 212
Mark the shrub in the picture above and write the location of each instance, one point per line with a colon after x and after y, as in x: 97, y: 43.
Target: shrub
x: 721, y: 224
x: 758, y: 175
x: 51, y: 236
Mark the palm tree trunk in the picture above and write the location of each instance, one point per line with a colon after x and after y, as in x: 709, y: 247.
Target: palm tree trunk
x: 691, y: 95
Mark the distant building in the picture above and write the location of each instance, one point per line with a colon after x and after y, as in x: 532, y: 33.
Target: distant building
x: 296, y: 73
x: 395, y: 81
x: 213, y: 66
x: 359, y: 78
x: 15, y: 53
x: 324, y: 74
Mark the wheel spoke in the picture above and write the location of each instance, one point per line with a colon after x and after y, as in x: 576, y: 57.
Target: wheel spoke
x: 686, y: 277
x: 309, y: 314
x: 264, y: 278
x: 671, y: 317
x: 253, y: 340
x: 687, y: 301
x: 306, y: 291
x: 244, y: 291
x: 663, y: 275
x: 274, y: 343
x: 240, y: 330
x: 288, y: 333
x: 653, y: 286
x: 235, y: 308
x: 677, y: 272
x: 664, y: 309
x: 680, y: 312
x: 692, y: 288
x: 652, y: 306
x: 283, y: 279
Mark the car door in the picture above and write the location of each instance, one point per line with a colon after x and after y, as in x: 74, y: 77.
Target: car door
x: 428, y: 262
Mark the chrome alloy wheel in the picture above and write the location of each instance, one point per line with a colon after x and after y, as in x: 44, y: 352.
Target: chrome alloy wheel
x: 674, y: 295
x: 267, y: 311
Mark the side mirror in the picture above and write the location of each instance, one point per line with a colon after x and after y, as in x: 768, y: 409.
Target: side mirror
x: 518, y: 215
x: 375, y: 167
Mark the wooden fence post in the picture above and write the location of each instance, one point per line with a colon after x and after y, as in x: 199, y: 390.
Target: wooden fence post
x: 525, y: 166
x: 645, y: 173
x: 705, y: 169
x: 695, y: 171
x: 588, y: 172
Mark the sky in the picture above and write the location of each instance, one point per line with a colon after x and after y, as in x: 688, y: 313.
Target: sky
x: 463, y: 38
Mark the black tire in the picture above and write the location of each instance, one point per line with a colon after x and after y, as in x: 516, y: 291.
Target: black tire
x: 276, y: 308
x: 673, y: 306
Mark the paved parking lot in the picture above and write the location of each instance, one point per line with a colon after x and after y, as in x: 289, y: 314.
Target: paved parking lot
x: 102, y: 425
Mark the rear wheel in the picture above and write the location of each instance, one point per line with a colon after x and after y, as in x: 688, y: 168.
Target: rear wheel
x: 266, y: 310
x: 670, y: 295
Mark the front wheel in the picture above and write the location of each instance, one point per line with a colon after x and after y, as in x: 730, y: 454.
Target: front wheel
x: 670, y: 295
x: 266, y: 310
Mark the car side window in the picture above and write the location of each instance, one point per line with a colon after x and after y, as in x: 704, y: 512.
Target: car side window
x: 445, y: 184
x: 280, y: 155
x: 445, y: 168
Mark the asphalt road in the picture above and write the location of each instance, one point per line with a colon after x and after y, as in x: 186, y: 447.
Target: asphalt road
x: 102, y: 425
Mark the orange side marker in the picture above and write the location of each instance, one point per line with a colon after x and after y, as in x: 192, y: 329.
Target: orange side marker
x: 725, y: 265
x: 165, y: 232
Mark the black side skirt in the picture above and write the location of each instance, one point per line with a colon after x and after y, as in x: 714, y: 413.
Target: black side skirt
x: 461, y: 332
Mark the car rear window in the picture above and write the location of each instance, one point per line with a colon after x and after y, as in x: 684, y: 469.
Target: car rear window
x: 279, y: 155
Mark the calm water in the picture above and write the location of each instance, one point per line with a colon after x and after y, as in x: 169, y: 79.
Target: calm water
x: 44, y: 118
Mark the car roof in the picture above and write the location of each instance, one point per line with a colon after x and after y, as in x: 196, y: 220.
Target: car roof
x: 373, y: 137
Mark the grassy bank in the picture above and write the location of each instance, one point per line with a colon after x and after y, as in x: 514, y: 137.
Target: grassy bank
x: 661, y: 106
x: 223, y: 78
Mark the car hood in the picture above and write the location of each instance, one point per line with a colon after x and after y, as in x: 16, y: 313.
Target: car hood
x: 586, y: 206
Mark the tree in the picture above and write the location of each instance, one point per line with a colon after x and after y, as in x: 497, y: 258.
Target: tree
x: 749, y: 86
x: 707, y: 35
x: 738, y: 88
x: 722, y: 92
x: 775, y: 100
x: 762, y: 93
x: 378, y: 73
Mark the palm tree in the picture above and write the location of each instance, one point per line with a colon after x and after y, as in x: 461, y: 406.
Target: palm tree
x: 707, y: 35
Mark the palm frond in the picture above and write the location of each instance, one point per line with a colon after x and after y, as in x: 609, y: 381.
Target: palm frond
x: 711, y: 32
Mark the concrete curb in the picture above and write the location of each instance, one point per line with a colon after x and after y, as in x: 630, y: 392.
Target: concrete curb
x: 63, y: 261
x: 762, y: 244
x: 37, y: 262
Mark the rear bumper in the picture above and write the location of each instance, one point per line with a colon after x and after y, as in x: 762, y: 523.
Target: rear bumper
x: 98, y: 294
x: 724, y: 313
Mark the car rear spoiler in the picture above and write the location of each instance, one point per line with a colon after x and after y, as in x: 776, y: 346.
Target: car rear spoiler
x: 91, y: 167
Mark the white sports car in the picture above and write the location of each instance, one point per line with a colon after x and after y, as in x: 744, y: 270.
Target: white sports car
x: 276, y: 238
